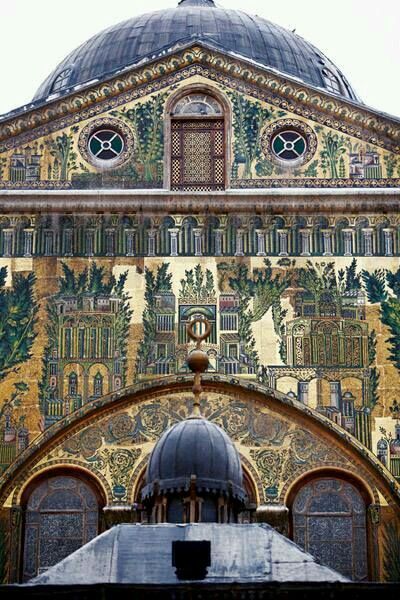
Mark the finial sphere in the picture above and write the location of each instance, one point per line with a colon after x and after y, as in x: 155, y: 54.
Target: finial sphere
x: 197, y: 361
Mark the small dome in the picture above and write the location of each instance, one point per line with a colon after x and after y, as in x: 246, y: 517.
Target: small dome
x: 195, y: 447
x: 233, y: 31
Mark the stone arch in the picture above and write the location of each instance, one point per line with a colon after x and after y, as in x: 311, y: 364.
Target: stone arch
x: 263, y: 431
x: 54, y: 468
x: 328, y: 504
x: 61, y: 509
x: 253, y: 480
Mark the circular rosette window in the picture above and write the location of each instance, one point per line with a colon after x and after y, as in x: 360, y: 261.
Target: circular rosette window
x: 289, y: 145
x: 289, y: 142
x: 106, y: 143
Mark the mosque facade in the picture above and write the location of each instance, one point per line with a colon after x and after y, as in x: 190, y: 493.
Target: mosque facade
x: 191, y: 163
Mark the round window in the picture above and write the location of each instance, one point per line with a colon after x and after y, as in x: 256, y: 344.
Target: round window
x: 289, y: 145
x: 289, y: 141
x: 106, y: 144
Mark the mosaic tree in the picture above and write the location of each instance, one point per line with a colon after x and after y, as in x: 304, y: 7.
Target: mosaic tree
x: 264, y: 288
x: 18, y: 311
x: 61, y: 148
x: 146, y: 121
x: 334, y: 146
x: 248, y: 119
x: 195, y: 287
x: 376, y: 284
x: 161, y: 281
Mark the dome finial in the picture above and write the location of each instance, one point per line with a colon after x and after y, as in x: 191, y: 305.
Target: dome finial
x: 201, y: 3
x: 197, y: 360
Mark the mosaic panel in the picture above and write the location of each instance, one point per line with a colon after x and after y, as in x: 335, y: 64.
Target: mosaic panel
x: 333, y: 158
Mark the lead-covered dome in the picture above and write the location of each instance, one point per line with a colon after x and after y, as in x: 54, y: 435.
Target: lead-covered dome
x: 194, y: 447
x: 233, y: 31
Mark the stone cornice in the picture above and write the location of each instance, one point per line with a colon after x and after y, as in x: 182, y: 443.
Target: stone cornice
x: 277, y: 89
x: 268, y: 201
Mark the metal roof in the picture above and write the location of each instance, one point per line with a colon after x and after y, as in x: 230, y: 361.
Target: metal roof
x: 233, y: 31
x: 143, y: 554
x: 198, y: 447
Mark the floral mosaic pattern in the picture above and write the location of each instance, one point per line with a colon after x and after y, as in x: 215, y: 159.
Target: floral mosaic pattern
x: 279, y: 450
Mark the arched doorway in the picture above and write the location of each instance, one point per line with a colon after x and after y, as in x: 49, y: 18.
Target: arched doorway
x: 329, y: 521
x: 61, y: 515
x: 197, y: 144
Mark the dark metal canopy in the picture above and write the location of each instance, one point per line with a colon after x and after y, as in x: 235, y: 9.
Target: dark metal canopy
x: 195, y: 447
x: 231, y: 31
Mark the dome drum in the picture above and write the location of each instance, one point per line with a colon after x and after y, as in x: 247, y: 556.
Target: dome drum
x: 194, y: 464
x: 184, y: 484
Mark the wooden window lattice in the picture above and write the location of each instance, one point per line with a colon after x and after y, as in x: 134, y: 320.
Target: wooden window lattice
x: 198, y: 155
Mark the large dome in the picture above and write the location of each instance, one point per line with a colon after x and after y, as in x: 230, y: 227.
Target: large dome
x: 195, y: 447
x: 233, y: 31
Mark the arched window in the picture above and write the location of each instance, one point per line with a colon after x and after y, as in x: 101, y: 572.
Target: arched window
x: 73, y: 385
x: 197, y: 144
x: 62, y: 514
x: 329, y: 521
x: 332, y: 83
x: 61, y: 80
x: 98, y: 385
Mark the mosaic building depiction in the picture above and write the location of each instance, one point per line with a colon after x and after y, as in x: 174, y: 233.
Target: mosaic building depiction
x: 198, y: 173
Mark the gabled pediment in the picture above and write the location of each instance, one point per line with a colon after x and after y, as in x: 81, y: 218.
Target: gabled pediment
x: 350, y: 145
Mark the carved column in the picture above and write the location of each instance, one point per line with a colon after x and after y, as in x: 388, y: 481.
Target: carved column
x: 218, y: 240
x: 282, y: 242
x: 8, y: 242
x: 151, y: 242
x: 198, y: 232
x: 239, y: 242
x: 348, y: 242
x: 110, y: 242
x: 130, y: 241
x: 305, y: 242
x: 368, y: 245
x: 28, y: 242
x: 388, y: 237
x: 15, y: 546
x: 260, y: 242
x: 173, y: 232
x: 327, y: 242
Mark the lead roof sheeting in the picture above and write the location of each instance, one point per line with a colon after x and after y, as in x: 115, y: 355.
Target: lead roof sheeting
x: 234, y: 31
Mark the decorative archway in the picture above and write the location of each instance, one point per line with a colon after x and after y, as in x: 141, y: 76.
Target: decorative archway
x: 61, y: 514
x: 329, y: 519
x: 197, y: 133
x: 279, y: 438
